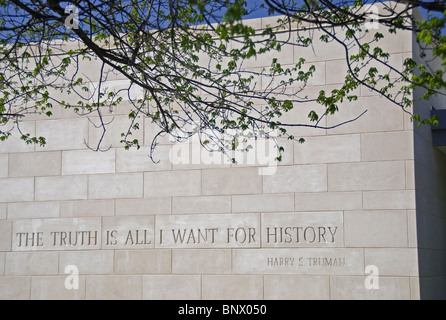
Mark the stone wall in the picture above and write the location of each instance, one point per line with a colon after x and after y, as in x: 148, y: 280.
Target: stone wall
x: 343, y: 203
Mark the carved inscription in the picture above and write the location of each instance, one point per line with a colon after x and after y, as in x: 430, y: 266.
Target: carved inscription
x: 299, y: 260
x: 249, y: 230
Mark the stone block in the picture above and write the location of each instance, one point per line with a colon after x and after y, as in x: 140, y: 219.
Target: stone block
x: 128, y: 232
x: 305, y: 178
x: 393, y: 261
x: 5, y: 235
x: 35, y: 164
x: 63, y: 134
x: 410, y: 174
x: 232, y: 287
x: 2, y: 263
x: 121, y: 185
x: 88, y: 162
x: 61, y: 188
x: 302, y: 261
x: 57, y: 234
x: 299, y: 124
x: 263, y: 203
x: 392, y: 199
x: 3, y: 210
x: 87, y: 208
x: 198, y: 261
x: 16, y: 189
x: 53, y: 288
x: 303, y: 229
x: 31, y: 263
x: 115, y: 127
x: 387, y: 146
x: 143, y: 262
x: 380, y: 115
x: 147, y: 206
x: 231, y: 181
x: 389, y: 175
x: 216, y: 231
x: 353, y: 288
x: 205, y: 204
x: 172, y: 183
x: 134, y: 160
x: 109, y: 287
x: 296, y: 287
x: 14, y: 143
x: 3, y: 165
x: 375, y: 228
x: 33, y: 210
x: 171, y: 287
x: 15, y: 288
x: 88, y: 262
x: 328, y: 149
x: 326, y: 201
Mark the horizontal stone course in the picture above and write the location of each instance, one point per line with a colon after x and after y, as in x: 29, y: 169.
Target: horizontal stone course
x: 35, y: 164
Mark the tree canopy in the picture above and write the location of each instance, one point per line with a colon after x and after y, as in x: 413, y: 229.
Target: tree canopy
x: 189, y: 58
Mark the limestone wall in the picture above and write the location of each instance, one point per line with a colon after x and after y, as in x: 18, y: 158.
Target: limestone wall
x: 337, y: 204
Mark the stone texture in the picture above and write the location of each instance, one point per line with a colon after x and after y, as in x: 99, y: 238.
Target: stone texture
x: 375, y: 228
x: 387, y: 146
x: 143, y: 262
x: 399, y: 199
x: 109, y: 186
x: 171, y: 287
x: 17, y: 189
x: 231, y: 181
x: 3, y: 165
x: 5, y: 235
x: 113, y: 287
x: 3, y: 210
x: 15, y: 288
x: 328, y: 149
x: 31, y: 263
x: 353, y: 288
x: 115, y: 126
x: 14, y: 143
x: 134, y: 160
x: 87, y: 208
x: 88, y: 262
x: 326, y: 201
x: 172, y: 183
x: 53, y: 288
x: 148, y: 206
x: 263, y: 203
x: 196, y: 261
x: 2, y: 263
x: 229, y: 287
x: 206, y: 204
x: 35, y: 164
x: 63, y: 134
x: 306, y: 178
x: 367, y: 176
x: 33, y: 210
x: 393, y: 261
x: 61, y: 188
x: 296, y: 287
x: 88, y: 162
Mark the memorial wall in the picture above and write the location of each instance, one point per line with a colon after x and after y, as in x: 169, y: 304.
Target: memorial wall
x: 355, y: 212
